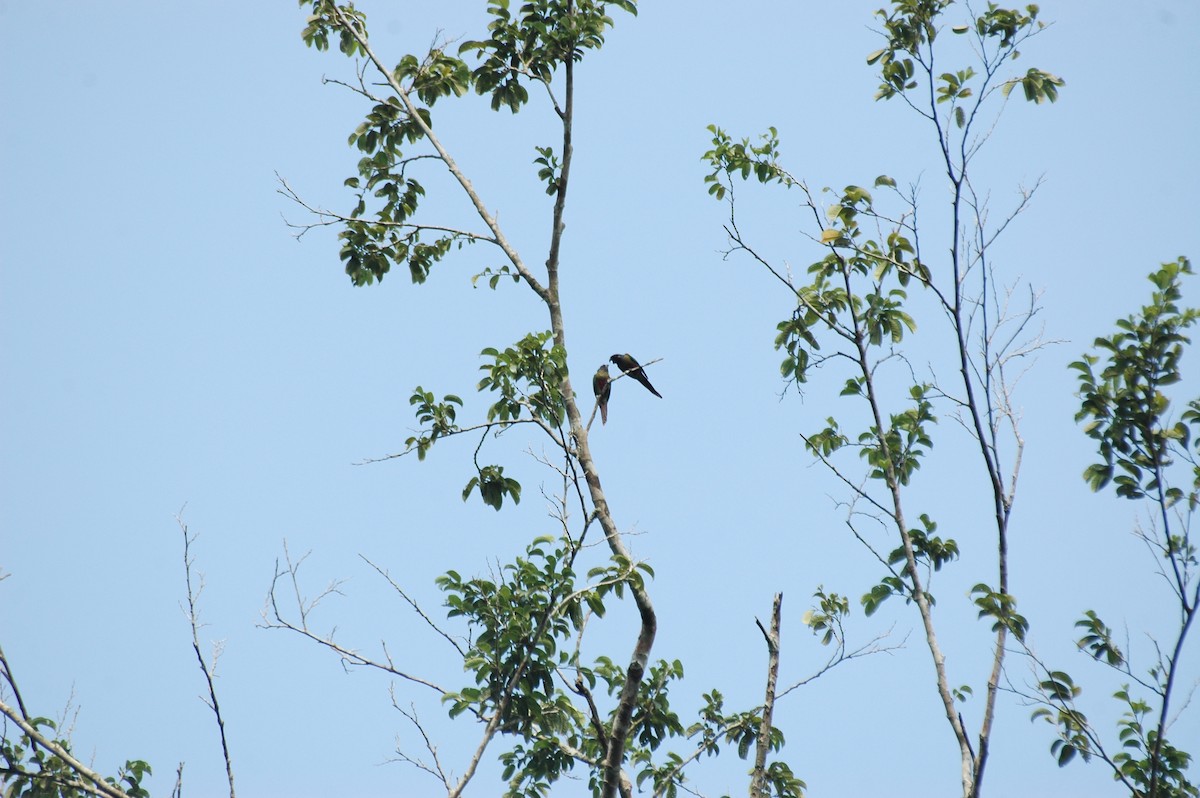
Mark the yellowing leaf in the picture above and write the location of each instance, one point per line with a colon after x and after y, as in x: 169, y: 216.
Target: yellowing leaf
x: 829, y: 235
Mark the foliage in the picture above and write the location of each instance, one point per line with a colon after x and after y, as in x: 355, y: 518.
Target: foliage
x: 854, y: 320
x: 911, y: 26
x: 1125, y: 409
x: 526, y: 46
x: 29, y: 770
x: 440, y: 416
x: 534, y: 42
x: 528, y: 375
x: 525, y: 625
x: 531, y: 682
x: 856, y: 315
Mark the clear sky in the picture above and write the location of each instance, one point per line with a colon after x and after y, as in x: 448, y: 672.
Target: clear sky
x: 164, y: 341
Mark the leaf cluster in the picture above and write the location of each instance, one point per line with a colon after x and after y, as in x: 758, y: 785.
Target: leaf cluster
x: 1071, y: 725
x: 910, y: 28
x: 1147, y: 764
x: 1145, y: 760
x: 372, y: 241
x: 715, y: 728
x: 928, y: 547
x: 440, y: 416
x: 742, y: 158
x: 857, y: 290
x: 528, y: 679
x: 369, y: 247
x: 517, y: 624
x: 825, y: 620
x: 29, y: 770
x: 1124, y: 407
x: 493, y: 487
x: 929, y: 551
x: 532, y: 42
x: 528, y: 376
x: 895, y: 455
x: 1002, y: 609
x: 329, y: 19
x: 1098, y: 640
x: 550, y: 169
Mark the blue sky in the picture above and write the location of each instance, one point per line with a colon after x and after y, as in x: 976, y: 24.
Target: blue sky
x: 164, y: 341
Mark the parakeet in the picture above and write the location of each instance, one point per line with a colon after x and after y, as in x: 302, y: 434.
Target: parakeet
x: 627, y: 364
x: 602, y: 387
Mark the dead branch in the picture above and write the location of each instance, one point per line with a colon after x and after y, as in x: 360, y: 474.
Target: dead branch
x: 209, y: 671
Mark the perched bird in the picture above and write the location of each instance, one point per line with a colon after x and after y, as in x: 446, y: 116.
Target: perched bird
x: 602, y: 387
x: 627, y: 364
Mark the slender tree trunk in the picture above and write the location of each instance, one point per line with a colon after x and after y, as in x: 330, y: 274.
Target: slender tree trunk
x: 758, y: 780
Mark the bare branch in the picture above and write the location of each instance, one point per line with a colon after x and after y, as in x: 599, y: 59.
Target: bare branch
x: 350, y: 658
x: 841, y: 655
x: 7, y: 674
x: 436, y: 770
x: 209, y: 671
x: 416, y: 607
x: 499, y: 426
x: 329, y: 218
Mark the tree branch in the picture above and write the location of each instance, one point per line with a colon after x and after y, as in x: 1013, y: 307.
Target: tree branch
x: 489, y: 220
x: 101, y: 784
x: 193, y: 595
